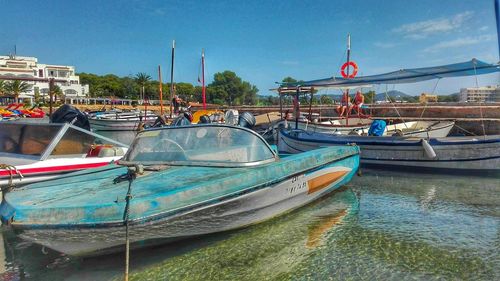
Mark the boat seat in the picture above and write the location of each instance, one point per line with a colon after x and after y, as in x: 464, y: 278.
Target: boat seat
x: 33, y: 146
x: 66, y: 147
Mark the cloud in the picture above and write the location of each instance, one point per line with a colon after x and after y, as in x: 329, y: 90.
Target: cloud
x: 460, y: 42
x: 483, y: 28
x: 422, y: 29
x: 384, y: 45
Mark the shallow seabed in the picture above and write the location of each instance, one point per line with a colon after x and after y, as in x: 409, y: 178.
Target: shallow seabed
x: 382, y: 226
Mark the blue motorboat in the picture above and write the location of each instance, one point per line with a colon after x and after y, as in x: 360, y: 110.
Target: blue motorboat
x: 174, y: 183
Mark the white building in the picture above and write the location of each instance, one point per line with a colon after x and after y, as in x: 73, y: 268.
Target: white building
x: 29, y: 70
x: 480, y: 94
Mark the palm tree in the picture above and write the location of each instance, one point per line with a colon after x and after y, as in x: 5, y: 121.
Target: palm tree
x: 16, y: 87
x: 2, y: 86
x: 142, y: 79
x: 58, y: 93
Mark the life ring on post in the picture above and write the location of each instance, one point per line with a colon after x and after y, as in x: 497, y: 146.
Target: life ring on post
x: 354, y: 72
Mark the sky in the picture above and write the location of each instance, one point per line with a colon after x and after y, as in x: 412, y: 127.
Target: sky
x: 262, y: 41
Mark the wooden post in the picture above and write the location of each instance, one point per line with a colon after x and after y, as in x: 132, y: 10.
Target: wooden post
x: 203, y: 89
x: 172, y: 78
x: 161, y: 90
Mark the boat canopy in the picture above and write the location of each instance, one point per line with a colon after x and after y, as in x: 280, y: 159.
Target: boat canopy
x: 39, y: 141
x: 468, y: 68
x: 199, y: 145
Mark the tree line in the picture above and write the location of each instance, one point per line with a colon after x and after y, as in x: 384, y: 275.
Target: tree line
x: 225, y: 89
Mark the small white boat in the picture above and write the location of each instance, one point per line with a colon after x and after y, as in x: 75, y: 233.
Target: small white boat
x: 121, y: 120
x: 32, y: 152
x: 420, y: 129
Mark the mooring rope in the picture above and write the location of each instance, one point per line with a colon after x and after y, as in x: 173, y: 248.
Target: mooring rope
x: 130, y: 177
x: 12, y: 171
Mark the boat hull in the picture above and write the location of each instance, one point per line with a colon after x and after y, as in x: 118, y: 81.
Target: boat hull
x: 118, y: 124
x: 455, y: 153
x: 236, y: 210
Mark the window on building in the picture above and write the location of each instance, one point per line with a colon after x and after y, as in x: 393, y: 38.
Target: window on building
x: 40, y: 73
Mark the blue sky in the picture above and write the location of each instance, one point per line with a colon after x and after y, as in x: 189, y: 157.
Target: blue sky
x: 262, y: 41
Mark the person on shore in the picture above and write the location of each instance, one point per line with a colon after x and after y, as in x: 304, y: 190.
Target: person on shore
x: 345, y: 104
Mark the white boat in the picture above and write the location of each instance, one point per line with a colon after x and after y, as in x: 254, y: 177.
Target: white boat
x: 125, y: 124
x: 420, y: 129
x: 32, y: 152
x: 116, y: 120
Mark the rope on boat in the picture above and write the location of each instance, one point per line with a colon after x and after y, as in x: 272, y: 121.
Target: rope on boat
x: 12, y: 171
x: 129, y: 176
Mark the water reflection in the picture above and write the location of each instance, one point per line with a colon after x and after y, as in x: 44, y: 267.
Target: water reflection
x: 383, y: 226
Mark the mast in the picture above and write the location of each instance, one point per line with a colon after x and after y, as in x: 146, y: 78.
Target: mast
x: 347, y: 90
x: 172, y: 78
x: 497, y: 16
x: 203, y: 89
x: 161, y: 90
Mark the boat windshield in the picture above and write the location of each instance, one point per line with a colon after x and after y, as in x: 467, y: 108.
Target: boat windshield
x: 208, y: 145
x: 27, y: 139
x: 42, y: 141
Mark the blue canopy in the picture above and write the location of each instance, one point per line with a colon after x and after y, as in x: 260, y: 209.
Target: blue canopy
x: 473, y: 67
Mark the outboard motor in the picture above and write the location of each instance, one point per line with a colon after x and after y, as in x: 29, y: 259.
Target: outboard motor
x: 247, y: 120
x: 70, y: 114
x: 377, y: 128
x: 205, y: 119
x: 231, y: 117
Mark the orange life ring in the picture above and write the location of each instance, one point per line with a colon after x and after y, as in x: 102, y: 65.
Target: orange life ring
x: 354, y: 72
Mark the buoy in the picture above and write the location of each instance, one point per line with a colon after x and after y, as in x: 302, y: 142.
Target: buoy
x: 429, y: 151
x: 354, y: 72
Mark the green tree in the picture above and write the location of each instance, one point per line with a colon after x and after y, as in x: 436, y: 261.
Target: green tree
x: 288, y: 80
x: 16, y: 87
x: 228, y: 88
x: 326, y: 100
x: 36, y: 95
x: 57, y: 93
x: 369, y: 97
x: 2, y: 87
x: 185, y: 91
x: 142, y: 79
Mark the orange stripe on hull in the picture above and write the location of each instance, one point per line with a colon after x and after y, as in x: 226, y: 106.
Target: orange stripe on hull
x: 323, y: 181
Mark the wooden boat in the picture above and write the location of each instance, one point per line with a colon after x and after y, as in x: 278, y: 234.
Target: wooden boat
x: 182, y: 181
x: 422, y: 150
x: 457, y: 153
x: 32, y: 152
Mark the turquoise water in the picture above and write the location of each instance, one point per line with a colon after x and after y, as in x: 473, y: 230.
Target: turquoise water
x: 382, y: 226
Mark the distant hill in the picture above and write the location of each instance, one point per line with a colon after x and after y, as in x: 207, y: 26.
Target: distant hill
x: 395, y: 94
